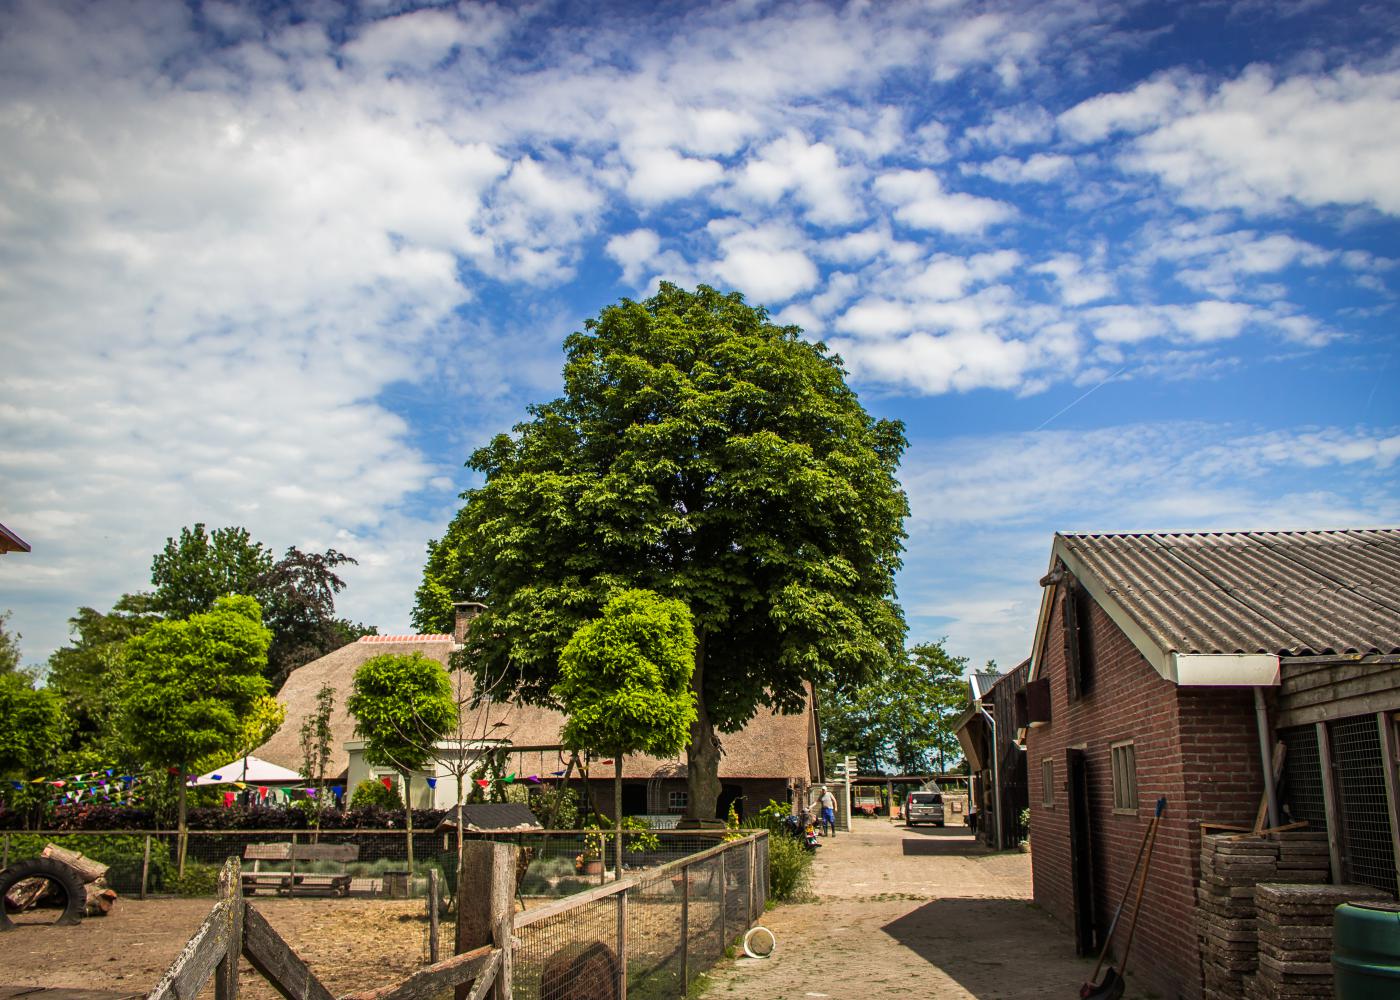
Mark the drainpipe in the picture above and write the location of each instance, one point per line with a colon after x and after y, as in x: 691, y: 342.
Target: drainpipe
x: 996, y: 771
x: 1266, y: 755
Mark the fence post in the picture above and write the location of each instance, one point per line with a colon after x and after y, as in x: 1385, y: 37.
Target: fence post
x: 292, y: 869
x: 230, y: 892
x: 433, y: 893
x: 753, y: 881
x: 145, y: 865
x: 622, y: 945
x: 487, y: 879
x: 723, y: 902
x: 685, y: 929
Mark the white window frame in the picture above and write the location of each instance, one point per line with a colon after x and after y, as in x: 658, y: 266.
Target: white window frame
x: 677, y: 800
x: 1123, y: 759
x: 1047, y: 782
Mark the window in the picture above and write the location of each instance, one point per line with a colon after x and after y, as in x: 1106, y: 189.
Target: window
x: 676, y: 802
x: 1047, y: 781
x: 1125, y: 796
x: 1079, y: 639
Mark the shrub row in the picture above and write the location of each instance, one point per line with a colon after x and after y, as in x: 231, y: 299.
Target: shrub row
x: 104, y: 817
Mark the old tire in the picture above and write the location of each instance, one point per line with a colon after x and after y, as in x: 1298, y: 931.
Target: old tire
x: 60, y: 875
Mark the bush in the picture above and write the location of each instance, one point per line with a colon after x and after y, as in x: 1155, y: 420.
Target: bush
x: 789, y: 870
x: 373, y: 794
x: 123, y: 855
x: 198, y: 880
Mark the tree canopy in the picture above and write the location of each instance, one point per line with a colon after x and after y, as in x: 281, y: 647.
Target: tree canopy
x: 35, y: 726
x: 900, y: 720
x: 296, y: 592
x: 705, y: 453
x: 624, y: 678
x: 402, y: 704
x: 189, y: 685
x: 9, y: 646
x: 87, y: 672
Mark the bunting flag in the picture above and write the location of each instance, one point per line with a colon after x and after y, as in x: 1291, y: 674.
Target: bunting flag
x: 18, y: 784
x: 387, y: 782
x: 262, y: 792
x: 605, y: 762
x: 311, y: 793
x: 240, y: 784
x: 534, y: 777
x: 509, y: 779
x: 432, y: 782
x: 217, y: 777
x: 483, y: 782
x: 339, y: 790
x: 228, y: 799
x: 555, y: 774
x: 109, y: 772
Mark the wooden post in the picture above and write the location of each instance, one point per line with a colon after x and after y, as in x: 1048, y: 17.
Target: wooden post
x: 685, y: 930
x: 753, y: 881
x: 292, y: 865
x: 433, y: 892
x: 5, y: 861
x: 486, y: 906
x: 1390, y: 760
x: 145, y: 865
x: 723, y: 907
x: 230, y: 892
x: 1335, y: 845
x: 622, y: 945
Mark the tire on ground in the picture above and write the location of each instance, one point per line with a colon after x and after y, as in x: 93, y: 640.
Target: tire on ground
x: 60, y: 875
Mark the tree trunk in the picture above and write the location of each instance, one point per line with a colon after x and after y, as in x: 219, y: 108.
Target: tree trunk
x: 408, y: 821
x: 183, y: 834
x: 460, y: 838
x: 617, y: 810
x: 702, y: 755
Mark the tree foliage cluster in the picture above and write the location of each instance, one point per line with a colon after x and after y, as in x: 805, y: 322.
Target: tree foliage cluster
x: 704, y: 453
x: 900, y: 720
x: 180, y: 675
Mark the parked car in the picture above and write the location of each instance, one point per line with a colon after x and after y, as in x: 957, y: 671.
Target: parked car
x: 923, y: 807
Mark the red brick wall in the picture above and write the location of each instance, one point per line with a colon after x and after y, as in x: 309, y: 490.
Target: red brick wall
x: 1192, y: 745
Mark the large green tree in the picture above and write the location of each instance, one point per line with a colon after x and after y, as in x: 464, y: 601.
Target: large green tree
x: 189, y: 686
x: 901, y: 718
x: 87, y: 672
x: 624, y: 680
x: 402, y: 706
x: 9, y: 646
x: 705, y: 453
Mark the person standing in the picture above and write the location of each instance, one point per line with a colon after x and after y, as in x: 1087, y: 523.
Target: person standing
x: 828, y: 812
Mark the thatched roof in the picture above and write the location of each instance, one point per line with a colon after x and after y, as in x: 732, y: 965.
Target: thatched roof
x: 770, y: 746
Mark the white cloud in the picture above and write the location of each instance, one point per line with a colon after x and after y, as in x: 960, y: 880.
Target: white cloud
x: 660, y: 175
x: 1145, y: 106
x: 1009, y: 127
x: 1076, y: 286
x: 921, y: 203
x: 765, y: 263
x: 633, y: 252
x: 812, y: 170
x: 1039, y: 168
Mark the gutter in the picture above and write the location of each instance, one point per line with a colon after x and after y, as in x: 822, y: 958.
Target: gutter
x: 996, y: 770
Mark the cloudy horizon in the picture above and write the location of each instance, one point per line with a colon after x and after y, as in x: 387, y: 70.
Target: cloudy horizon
x: 1117, y: 266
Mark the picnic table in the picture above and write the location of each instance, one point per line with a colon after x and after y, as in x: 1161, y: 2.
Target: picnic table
x: 289, y: 880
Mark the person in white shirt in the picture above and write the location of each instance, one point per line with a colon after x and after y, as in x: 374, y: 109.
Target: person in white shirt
x: 828, y: 812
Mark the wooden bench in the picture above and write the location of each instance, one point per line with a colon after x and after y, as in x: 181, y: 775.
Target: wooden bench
x: 291, y: 881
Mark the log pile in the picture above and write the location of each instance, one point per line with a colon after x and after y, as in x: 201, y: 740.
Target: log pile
x: 1295, y: 938
x: 92, y: 874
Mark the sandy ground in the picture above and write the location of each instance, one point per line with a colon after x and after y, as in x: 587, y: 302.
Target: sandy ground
x: 955, y: 923
x: 351, y: 944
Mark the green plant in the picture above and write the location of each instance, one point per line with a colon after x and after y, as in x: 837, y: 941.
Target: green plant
x: 373, y: 794
x: 198, y: 880
x: 773, y: 816
x: 731, y: 823
x: 557, y: 808
x: 1026, y: 821
x: 789, y: 869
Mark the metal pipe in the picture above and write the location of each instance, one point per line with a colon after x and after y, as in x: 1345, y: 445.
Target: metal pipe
x: 1266, y: 755
x: 996, y: 772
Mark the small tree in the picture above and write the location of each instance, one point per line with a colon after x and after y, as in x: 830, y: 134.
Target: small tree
x: 402, y: 706
x: 316, y: 740
x: 191, y: 685
x: 624, y: 680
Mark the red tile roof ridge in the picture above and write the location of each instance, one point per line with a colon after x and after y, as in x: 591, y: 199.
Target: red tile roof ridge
x: 435, y: 637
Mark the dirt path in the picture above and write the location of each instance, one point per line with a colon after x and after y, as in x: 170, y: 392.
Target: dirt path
x: 911, y: 914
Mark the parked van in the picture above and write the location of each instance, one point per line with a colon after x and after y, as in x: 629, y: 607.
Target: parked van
x: 923, y: 807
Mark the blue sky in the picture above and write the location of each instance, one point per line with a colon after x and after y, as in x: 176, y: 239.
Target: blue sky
x: 1117, y: 266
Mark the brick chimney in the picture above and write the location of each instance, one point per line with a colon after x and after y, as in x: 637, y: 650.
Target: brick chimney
x: 466, y: 614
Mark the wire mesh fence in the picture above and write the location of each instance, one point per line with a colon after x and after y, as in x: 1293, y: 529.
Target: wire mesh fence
x: 651, y: 933
x: 1302, y: 777
x: 558, y: 862
x: 1359, y: 766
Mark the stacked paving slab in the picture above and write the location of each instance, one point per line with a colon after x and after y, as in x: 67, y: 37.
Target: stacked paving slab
x: 1228, y: 922
x: 1295, y: 938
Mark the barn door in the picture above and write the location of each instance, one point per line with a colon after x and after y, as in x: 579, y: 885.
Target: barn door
x: 1081, y: 853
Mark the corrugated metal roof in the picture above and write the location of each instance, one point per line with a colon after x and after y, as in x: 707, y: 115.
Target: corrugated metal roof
x: 1290, y: 593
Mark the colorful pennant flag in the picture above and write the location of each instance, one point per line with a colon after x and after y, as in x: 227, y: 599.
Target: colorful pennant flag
x: 387, y: 782
x: 432, y: 782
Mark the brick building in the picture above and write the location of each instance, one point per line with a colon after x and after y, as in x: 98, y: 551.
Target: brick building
x: 988, y: 733
x: 1155, y: 672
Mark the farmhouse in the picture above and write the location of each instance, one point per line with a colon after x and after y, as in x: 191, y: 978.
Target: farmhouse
x: 773, y: 757
x: 1170, y: 665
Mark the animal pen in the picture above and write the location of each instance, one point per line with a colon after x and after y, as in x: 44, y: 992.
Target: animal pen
x: 647, y: 935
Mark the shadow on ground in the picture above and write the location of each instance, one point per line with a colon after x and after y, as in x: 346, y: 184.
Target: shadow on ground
x: 1041, y: 963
